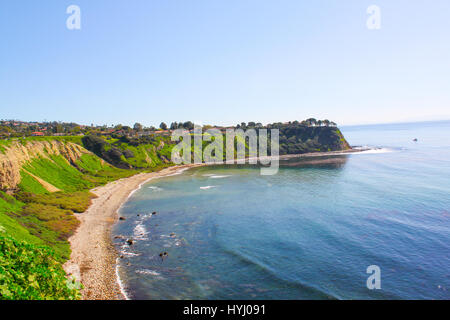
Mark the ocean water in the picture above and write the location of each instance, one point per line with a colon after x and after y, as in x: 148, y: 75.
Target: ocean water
x: 309, y: 232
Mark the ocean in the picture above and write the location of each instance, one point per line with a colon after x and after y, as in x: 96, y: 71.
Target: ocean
x: 309, y: 232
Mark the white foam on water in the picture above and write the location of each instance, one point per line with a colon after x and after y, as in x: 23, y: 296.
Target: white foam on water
x: 140, y: 232
x: 219, y: 177
x: 375, y: 150
x: 180, y: 171
x: 207, y: 187
x: 155, y: 188
x: 153, y: 273
x: 124, y: 251
x: 178, y: 243
x: 364, y: 150
x: 130, y: 254
x: 119, y: 281
x: 149, y: 272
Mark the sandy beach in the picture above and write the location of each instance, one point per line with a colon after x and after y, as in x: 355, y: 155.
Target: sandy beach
x: 93, y: 258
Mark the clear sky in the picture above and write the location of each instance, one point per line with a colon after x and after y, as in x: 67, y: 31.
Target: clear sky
x: 224, y: 61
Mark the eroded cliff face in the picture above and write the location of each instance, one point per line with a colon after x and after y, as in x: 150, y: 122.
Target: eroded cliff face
x: 19, y: 153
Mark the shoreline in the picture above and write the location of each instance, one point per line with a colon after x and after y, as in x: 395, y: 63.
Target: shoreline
x: 94, y: 257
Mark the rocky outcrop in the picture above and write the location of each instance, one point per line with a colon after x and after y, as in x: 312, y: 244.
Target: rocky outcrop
x: 18, y: 153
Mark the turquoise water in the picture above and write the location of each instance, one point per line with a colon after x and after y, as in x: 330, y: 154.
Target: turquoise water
x: 309, y: 232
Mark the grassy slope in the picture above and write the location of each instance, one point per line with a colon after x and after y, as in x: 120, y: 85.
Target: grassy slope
x: 35, y: 217
x: 11, y: 226
x: 49, y: 216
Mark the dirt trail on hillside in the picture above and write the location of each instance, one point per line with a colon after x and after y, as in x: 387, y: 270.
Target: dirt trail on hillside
x: 47, y: 186
x: 93, y: 258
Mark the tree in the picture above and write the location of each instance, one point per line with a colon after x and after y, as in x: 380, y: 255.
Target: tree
x: 326, y: 122
x: 76, y: 130
x: 137, y: 127
x: 188, y: 125
x: 173, y: 125
x: 311, y: 121
x: 58, y: 128
x: 163, y: 126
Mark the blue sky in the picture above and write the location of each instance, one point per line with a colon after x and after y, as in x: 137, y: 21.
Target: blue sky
x: 224, y: 61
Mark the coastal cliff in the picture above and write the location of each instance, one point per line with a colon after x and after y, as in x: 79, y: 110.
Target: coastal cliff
x: 298, y: 139
x: 16, y: 154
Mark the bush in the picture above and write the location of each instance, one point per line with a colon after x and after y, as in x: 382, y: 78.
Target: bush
x: 94, y: 144
x: 128, y: 153
x: 30, y: 272
x: 114, y: 155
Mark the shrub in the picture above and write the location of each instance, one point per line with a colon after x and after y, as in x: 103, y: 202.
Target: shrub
x: 128, y: 153
x: 94, y: 144
x: 30, y: 272
x: 59, y: 220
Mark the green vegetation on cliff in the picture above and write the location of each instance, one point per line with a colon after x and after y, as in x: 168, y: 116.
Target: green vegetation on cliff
x: 139, y: 153
x: 298, y: 139
x: 32, y: 272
